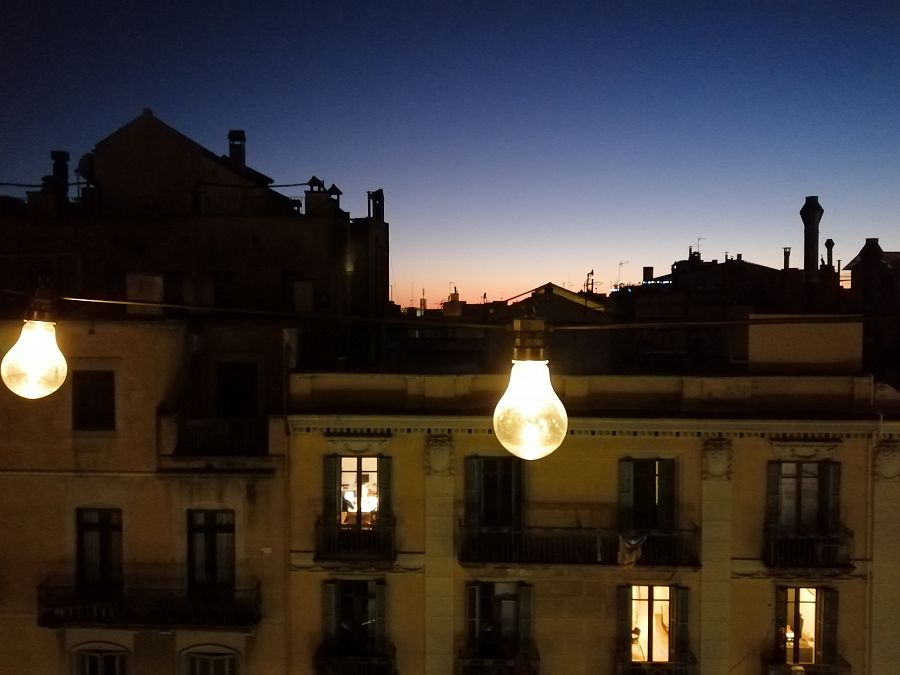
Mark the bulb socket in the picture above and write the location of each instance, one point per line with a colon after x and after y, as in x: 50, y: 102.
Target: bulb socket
x: 529, y: 341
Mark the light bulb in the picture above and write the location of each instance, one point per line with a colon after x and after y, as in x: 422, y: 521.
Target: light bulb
x: 530, y: 420
x: 34, y: 367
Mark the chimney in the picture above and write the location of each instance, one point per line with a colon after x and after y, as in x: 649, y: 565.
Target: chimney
x: 787, y: 257
x: 811, y: 214
x: 237, y: 150
x: 648, y: 273
x: 61, y: 173
x: 829, y: 246
x: 740, y: 256
x: 376, y: 205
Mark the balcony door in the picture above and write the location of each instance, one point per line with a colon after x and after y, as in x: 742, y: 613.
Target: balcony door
x: 99, y: 548
x: 211, y: 550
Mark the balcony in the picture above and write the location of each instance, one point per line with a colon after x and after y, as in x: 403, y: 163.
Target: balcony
x: 577, y: 546
x: 841, y: 667
x: 522, y: 662
x: 788, y: 548
x: 685, y: 665
x: 347, y: 543
x: 338, y: 659
x: 228, y: 437
x: 157, y: 604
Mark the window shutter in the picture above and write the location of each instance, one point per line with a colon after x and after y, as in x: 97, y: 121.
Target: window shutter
x: 385, y: 501
x: 773, y: 493
x: 516, y: 492
x: 829, y: 497
x: 329, y: 610
x: 781, y: 610
x: 473, y: 614
x: 331, y: 487
x: 626, y: 498
x: 525, y: 612
x: 826, y: 625
x: 667, y: 507
x: 380, y: 611
x: 680, y: 646
x: 623, y: 622
x: 473, y: 480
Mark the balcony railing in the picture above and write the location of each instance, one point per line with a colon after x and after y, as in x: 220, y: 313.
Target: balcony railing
x: 64, y: 603
x: 578, y: 546
x: 229, y: 437
x: 522, y: 662
x: 374, y: 541
x: 790, y: 548
x: 377, y: 659
x: 684, y: 665
x: 841, y: 667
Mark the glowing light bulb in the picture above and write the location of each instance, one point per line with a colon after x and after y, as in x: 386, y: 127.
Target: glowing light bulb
x: 34, y: 367
x: 530, y: 420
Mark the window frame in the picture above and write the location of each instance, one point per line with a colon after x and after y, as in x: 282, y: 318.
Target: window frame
x: 827, y: 497
x: 494, y: 491
x: 826, y: 628
x: 204, y: 531
x: 332, y: 491
x: 368, y: 629
x: 100, y: 650
x: 485, y: 617
x: 104, y: 572
x: 212, y: 652
x: 90, y: 393
x: 639, y: 477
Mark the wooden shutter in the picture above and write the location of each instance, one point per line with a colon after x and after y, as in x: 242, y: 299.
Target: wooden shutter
x: 473, y: 487
x: 826, y: 625
x: 679, y: 645
x: 773, y: 493
x: 667, y: 506
x: 516, y: 492
x: 331, y: 487
x: 380, y: 610
x: 829, y: 497
x: 623, y: 622
x: 385, y: 501
x: 626, y: 496
x: 473, y: 614
x: 781, y: 610
x: 329, y: 610
x: 525, y: 607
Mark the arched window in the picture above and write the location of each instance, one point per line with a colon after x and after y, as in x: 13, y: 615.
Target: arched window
x: 211, y: 660
x: 100, y: 658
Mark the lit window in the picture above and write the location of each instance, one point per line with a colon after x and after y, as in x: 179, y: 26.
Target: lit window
x: 360, y: 486
x: 650, y: 619
x: 806, y: 625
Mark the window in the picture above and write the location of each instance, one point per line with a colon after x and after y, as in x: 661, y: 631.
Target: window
x: 353, y: 615
x: 211, y: 549
x: 99, y: 544
x: 93, y: 399
x: 647, y: 494
x: 493, y: 492
x: 804, y: 496
x: 236, y: 389
x: 110, y: 660
x: 357, y: 490
x: 653, y: 623
x: 806, y: 625
x: 499, y: 618
x: 211, y: 663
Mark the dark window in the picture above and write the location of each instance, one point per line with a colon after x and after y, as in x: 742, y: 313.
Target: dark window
x: 652, y: 624
x: 93, y: 399
x: 806, y: 625
x: 357, y: 490
x: 804, y: 496
x: 225, y: 288
x: 203, y: 663
x: 647, y: 494
x: 99, y: 544
x: 101, y: 662
x: 493, y: 491
x: 353, y: 615
x: 236, y: 389
x: 499, y: 618
x: 211, y: 549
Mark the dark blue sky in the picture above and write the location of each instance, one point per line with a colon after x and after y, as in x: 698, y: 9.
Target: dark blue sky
x: 517, y: 142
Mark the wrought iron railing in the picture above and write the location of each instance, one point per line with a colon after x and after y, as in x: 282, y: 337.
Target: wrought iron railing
x: 374, y: 541
x: 578, y: 546
x: 522, y: 662
x: 685, y: 664
x: 230, y: 437
x: 786, y: 547
x: 333, y: 658
x: 840, y: 667
x: 65, y: 603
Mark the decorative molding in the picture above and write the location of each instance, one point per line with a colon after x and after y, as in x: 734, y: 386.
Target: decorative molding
x: 804, y: 448
x: 305, y: 561
x: 439, y: 455
x: 887, y: 461
x: 358, y: 444
x: 717, y: 453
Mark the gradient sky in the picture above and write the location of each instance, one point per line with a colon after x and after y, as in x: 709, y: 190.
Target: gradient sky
x: 518, y: 142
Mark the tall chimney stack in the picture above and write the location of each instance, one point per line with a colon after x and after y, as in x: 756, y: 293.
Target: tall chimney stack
x: 61, y: 173
x: 787, y: 257
x: 237, y: 151
x: 811, y: 214
x: 829, y: 246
